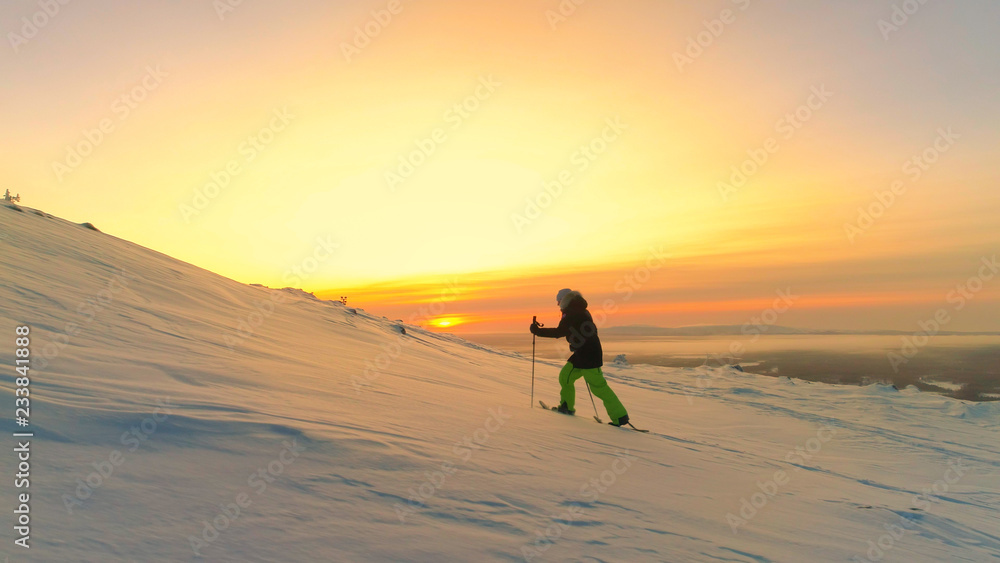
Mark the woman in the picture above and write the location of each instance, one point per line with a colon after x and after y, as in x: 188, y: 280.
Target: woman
x: 578, y: 327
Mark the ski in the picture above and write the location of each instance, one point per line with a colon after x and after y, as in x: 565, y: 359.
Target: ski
x: 630, y: 426
x: 544, y: 406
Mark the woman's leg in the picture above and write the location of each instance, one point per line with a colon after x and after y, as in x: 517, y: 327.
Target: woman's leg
x: 567, y: 383
x: 595, y: 377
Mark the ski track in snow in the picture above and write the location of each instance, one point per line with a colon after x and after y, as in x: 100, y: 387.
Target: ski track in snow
x: 378, y: 416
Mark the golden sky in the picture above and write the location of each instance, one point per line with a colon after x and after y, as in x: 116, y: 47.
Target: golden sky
x: 392, y: 151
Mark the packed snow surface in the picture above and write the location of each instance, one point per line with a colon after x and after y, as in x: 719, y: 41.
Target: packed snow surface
x: 182, y: 416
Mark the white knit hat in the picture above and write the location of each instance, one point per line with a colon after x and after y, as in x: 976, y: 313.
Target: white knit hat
x: 562, y: 293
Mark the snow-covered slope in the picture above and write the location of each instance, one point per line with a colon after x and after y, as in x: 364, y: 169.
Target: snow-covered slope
x: 327, y: 435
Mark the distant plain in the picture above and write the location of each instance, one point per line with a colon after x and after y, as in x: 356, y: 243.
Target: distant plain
x: 962, y: 366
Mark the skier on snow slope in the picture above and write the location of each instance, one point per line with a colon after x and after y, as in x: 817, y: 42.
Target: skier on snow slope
x: 578, y: 327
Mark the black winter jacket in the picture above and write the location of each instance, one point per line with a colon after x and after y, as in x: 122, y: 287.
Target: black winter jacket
x: 578, y: 327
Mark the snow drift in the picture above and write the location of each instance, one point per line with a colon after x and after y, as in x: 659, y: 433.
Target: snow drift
x: 182, y: 416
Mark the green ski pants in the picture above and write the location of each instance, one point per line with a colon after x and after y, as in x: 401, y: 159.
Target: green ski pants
x: 595, y: 378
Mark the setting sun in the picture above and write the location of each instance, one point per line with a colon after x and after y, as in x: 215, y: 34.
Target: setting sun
x: 446, y: 322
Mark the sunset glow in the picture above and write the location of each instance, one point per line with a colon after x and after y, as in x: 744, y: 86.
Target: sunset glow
x: 513, y: 153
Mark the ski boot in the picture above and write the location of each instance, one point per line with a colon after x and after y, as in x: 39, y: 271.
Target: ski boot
x: 621, y: 421
x: 563, y: 408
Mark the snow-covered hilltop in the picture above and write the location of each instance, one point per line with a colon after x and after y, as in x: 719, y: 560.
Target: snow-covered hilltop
x: 182, y: 416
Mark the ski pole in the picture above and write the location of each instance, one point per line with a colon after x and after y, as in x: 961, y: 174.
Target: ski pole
x: 597, y: 418
x: 534, y: 321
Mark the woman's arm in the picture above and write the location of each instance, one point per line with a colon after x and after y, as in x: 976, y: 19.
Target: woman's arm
x: 560, y: 331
